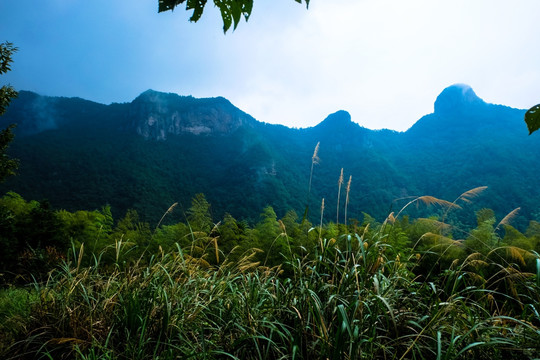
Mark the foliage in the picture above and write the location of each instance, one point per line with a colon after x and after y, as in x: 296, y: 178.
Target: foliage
x: 199, y: 217
x: 6, y: 58
x: 15, y: 308
x: 242, y: 171
x: 231, y: 10
x: 31, y: 238
x: 400, y: 289
x: 417, y: 285
x: 532, y: 118
x: 7, y: 165
x: 347, y: 301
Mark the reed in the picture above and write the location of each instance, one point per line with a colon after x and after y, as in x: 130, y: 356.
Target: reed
x: 428, y: 200
x: 508, y: 218
x: 348, y: 189
x: 314, y: 160
x: 169, y: 211
x: 340, y: 182
x: 320, y: 226
x: 345, y: 297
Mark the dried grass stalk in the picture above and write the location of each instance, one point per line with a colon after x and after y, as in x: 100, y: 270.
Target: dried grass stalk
x: 340, y: 182
x: 347, y: 197
x: 468, y: 195
x: 511, y: 215
x: 431, y: 200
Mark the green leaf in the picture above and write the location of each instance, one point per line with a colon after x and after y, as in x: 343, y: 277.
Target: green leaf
x: 197, y: 6
x: 236, y: 11
x: 247, y: 7
x: 300, y: 1
x: 231, y: 10
x: 225, y: 14
x: 165, y: 5
x: 532, y: 118
x: 6, y: 52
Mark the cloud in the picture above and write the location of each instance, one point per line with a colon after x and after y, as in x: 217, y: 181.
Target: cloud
x: 384, y: 61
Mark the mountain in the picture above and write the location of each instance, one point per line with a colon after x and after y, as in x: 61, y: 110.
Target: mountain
x: 158, y: 115
x: 164, y: 148
x: 460, y: 113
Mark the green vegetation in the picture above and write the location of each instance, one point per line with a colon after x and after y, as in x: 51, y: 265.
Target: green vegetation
x: 282, y: 288
x: 231, y: 11
x: 7, y: 92
x: 82, y: 155
x: 80, y: 285
x: 7, y: 165
x: 532, y: 119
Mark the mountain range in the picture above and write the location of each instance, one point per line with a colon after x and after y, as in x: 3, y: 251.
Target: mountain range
x: 163, y: 148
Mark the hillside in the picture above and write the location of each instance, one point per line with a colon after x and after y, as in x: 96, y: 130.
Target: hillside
x: 164, y: 148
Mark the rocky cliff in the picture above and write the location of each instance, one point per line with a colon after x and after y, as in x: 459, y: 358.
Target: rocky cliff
x: 156, y: 115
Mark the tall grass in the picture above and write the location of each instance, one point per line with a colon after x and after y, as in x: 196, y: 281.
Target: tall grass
x: 348, y: 189
x: 340, y: 182
x: 346, y: 301
x: 350, y: 296
x: 314, y: 160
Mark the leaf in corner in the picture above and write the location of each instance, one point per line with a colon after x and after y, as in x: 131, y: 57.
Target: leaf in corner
x: 225, y: 14
x: 236, y: 12
x: 198, y: 7
x: 166, y: 5
x: 247, y: 6
x: 532, y: 118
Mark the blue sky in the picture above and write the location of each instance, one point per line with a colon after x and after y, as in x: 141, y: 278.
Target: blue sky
x: 384, y: 61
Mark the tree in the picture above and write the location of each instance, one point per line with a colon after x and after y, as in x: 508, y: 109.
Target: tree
x: 7, y: 165
x: 30, y: 238
x: 230, y: 235
x: 231, y: 10
x: 199, y: 217
x: 270, y: 238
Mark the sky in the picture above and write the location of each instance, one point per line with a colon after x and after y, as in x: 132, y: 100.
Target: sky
x: 384, y: 61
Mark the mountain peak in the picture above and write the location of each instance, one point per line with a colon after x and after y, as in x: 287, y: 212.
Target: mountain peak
x: 159, y: 97
x: 456, y: 97
x: 338, y: 121
x: 156, y: 115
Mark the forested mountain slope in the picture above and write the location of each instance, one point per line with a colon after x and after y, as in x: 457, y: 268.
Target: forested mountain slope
x: 164, y: 148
